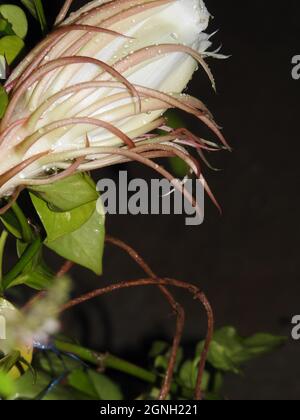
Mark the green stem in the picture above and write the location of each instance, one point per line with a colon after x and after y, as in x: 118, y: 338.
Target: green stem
x: 26, y: 229
x: 109, y: 361
x: 25, y: 259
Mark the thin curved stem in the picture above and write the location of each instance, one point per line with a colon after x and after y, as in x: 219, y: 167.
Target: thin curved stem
x: 177, y: 308
x: 64, y: 11
x: 194, y: 290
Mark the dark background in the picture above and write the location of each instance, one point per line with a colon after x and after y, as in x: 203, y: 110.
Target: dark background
x: 246, y: 261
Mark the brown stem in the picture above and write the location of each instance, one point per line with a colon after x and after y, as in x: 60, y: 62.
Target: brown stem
x: 177, y: 308
x: 66, y: 267
x: 63, y: 12
x: 198, y: 295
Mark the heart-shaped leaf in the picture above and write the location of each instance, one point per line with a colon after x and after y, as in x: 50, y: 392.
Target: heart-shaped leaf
x: 10, y: 47
x: 84, y: 246
x: 68, y: 194
x: 16, y: 17
x: 58, y: 224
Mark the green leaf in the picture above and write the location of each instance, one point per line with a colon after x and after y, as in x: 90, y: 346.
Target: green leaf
x: 160, y: 352
x: 9, y: 361
x: 10, y: 47
x: 27, y: 233
x: 84, y: 246
x: 29, y: 4
x: 5, y: 27
x: 261, y: 344
x: 222, y: 358
x: 41, y: 14
x: 7, y: 385
x: 175, y: 121
x: 179, y: 167
x: 3, y: 101
x: 106, y: 389
x: 158, y: 348
x: 95, y: 385
x: 36, y: 274
x: 218, y: 382
x: 12, y: 224
x: 161, y: 363
x: 30, y: 252
x: 3, y: 239
x: 26, y: 388
x: 76, y: 234
x: 38, y: 279
x: 59, y: 224
x: 229, y: 351
x: 16, y: 17
x: 68, y: 194
x: 189, y: 373
x: 81, y: 381
x: 36, y: 8
x: 56, y: 364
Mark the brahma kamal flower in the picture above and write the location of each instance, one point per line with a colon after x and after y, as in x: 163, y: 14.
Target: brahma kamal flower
x: 94, y: 92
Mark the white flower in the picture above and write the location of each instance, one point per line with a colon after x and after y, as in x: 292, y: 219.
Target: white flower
x: 93, y: 91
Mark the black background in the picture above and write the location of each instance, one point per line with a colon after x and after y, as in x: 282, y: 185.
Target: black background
x: 247, y: 260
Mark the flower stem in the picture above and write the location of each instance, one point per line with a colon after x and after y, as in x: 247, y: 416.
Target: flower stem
x: 106, y: 360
